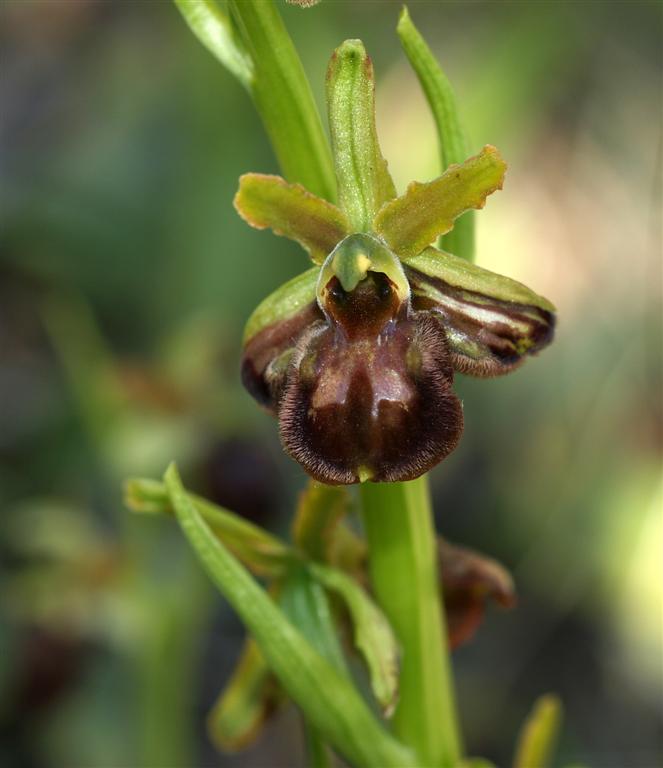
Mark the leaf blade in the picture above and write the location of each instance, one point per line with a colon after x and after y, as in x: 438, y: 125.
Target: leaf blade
x: 444, y: 108
x: 374, y: 636
x: 216, y: 32
x: 539, y: 733
x: 263, y: 553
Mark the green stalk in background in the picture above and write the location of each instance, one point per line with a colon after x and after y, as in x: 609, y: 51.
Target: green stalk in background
x: 451, y: 136
x: 254, y: 45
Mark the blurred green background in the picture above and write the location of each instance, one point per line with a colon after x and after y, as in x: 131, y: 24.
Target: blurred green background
x: 125, y: 280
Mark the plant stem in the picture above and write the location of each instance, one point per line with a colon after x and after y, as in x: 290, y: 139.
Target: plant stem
x: 400, y: 531
x: 283, y: 98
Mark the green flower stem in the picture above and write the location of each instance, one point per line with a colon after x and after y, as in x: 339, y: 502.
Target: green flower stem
x: 400, y: 531
x: 283, y: 97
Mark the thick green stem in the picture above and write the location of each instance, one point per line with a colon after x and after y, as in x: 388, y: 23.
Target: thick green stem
x: 283, y: 98
x: 403, y: 565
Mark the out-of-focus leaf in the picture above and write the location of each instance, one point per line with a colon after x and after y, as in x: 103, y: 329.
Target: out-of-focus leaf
x: 477, y: 762
x: 364, y: 183
x: 320, y: 509
x: 305, y: 602
x: 372, y: 633
x: 330, y: 701
x: 217, y: 33
x: 263, y: 553
x: 538, y: 737
x: 289, y: 210
x: 444, y: 107
x: 425, y: 211
x: 250, y: 696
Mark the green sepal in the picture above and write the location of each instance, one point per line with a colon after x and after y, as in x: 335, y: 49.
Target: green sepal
x: 538, y: 736
x: 249, y: 697
x: 283, y: 303
x: 414, y: 220
x: 330, y: 701
x: 461, y: 274
x: 364, y: 183
x: 289, y: 210
x: 264, y: 554
x: 373, y: 634
x: 444, y: 108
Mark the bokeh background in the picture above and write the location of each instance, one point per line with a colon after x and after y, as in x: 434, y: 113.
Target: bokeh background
x: 125, y: 280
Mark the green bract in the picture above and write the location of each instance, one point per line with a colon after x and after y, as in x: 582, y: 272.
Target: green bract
x: 357, y: 358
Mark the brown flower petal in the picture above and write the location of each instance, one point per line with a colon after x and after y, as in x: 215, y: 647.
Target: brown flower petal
x: 469, y: 580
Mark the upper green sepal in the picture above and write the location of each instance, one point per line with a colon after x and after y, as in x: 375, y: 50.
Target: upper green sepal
x: 426, y: 211
x: 364, y: 183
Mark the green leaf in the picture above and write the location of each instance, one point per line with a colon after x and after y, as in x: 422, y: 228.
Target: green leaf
x: 538, y: 736
x: 412, y: 221
x: 319, y: 512
x: 284, y: 303
x: 283, y: 98
x: 444, y: 107
x: 263, y: 553
x: 217, y: 33
x: 289, y: 210
x: 327, y: 697
x: 364, y: 183
x: 306, y: 604
x: 250, y: 696
x: 373, y: 634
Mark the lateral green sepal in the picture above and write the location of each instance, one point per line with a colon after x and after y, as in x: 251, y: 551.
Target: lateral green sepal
x: 426, y: 211
x: 364, y: 183
x: 265, y: 201
x: 283, y: 303
x: 467, y: 276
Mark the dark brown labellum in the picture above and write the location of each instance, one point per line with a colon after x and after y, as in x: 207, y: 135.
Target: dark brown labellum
x: 368, y: 394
